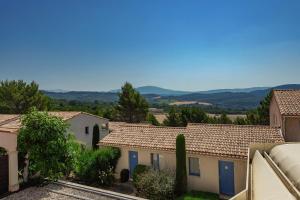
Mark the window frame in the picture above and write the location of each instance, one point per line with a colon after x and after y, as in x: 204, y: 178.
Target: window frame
x: 87, y: 130
x: 190, y: 169
x: 152, y: 155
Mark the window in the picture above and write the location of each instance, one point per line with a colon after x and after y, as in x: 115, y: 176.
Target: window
x: 86, y: 130
x: 155, y: 161
x: 194, y: 168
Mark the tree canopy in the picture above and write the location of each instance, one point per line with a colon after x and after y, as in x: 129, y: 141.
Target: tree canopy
x: 43, y: 139
x: 132, y: 107
x: 18, y: 97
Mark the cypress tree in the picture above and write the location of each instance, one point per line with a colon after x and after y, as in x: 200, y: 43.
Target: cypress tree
x: 181, y: 176
x: 96, y: 136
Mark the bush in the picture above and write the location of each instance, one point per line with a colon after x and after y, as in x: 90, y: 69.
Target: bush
x: 138, y: 170
x: 124, y: 175
x: 158, y: 185
x: 97, y: 166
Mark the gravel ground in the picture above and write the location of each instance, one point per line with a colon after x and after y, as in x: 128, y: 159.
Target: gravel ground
x: 43, y: 193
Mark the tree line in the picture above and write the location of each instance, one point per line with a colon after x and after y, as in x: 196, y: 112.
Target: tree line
x: 17, y: 97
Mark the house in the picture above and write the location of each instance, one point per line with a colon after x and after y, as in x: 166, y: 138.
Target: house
x: 8, y: 161
x: 273, y: 172
x: 285, y: 113
x: 80, y: 124
x: 216, y: 154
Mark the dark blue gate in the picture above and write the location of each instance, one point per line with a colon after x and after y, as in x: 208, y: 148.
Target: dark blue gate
x: 226, y: 177
x: 133, y: 161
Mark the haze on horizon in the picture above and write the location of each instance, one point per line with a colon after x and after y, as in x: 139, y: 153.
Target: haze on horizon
x: 97, y: 45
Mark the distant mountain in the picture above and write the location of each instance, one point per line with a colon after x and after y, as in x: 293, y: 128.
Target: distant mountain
x: 157, y: 90
x: 91, y: 96
x: 231, y: 100
x: 57, y: 90
x: 238, y: 99
x: 234, y: 90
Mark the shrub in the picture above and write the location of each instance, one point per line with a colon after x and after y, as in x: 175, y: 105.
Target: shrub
x: 181, y: 177
x: 138, y: 170
x: 106, y: 177
x: 97, y: 166
x: 158, y: 185
x: 124, y: 175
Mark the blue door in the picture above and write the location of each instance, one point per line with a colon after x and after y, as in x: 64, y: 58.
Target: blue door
x: 133, y: 161
x: 226, y: 177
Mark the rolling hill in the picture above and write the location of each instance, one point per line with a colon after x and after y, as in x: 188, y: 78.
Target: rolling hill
x: 237, y: 99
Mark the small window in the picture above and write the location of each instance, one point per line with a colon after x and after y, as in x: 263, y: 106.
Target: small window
x: 86, y: 130
x: 194, y: 168
x: 155, y: 161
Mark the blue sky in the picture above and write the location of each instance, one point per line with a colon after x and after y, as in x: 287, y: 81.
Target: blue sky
x: 186, y: 45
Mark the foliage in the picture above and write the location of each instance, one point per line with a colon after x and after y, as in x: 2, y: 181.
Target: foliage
x: 124, y: 175
x: 106, y: 177
x: 240, y: 121
x: 152, y: 119
x: 96, y: 136
x: 42, y: 136
x: 196, y: 195
x: 260, y: 115
x: 173, y: 118
x: 193, y: 115
x: 181, y: 173
x: 184, y: 115
x: 18, y: 97
x: 138, y: 170
x: 97, y: 165
x: 132, y: 107
x: 2, y: 151
x: 158, y: 185
x: 74, y: 149
x: 223, y: 119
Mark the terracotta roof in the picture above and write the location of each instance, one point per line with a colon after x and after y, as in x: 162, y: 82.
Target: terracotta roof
x: 65, y: 115
x: 288, y: 101
x: 116, y: 125
x: 13, y: 122
x: 205, y: 139
x: 4, y: 118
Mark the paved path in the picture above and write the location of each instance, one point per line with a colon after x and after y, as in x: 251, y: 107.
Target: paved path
x: 53, y: 191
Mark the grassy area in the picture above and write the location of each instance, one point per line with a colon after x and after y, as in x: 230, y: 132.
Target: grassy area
x: 195, y: 195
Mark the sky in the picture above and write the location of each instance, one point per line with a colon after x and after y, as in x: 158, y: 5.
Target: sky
x: 97, y: 45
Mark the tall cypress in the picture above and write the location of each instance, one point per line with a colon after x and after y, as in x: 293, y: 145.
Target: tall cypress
x: 96, y: 136
x: 181, y: 174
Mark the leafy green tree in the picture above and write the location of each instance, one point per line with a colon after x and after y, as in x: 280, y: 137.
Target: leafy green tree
x: 19, y: 97
x: 240, y: 121
x: 181, y: 173
x: 152, y: 119
x: 132, y: 107
x: 192, y: 115
x: 96, y: 136
x: 42, y: 138
x: 173, y: 118
x: 224, y: 119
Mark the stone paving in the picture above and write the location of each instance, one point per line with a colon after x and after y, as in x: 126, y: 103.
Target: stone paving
x: 52, y: 191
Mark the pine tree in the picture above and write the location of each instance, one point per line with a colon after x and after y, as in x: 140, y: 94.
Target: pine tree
x: 132, y: 107
x: 18, y: 97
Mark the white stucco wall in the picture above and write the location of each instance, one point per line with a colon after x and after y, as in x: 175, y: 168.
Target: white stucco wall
x: 8, y: 141
x: 78, y: 124
x: 208, y: 181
